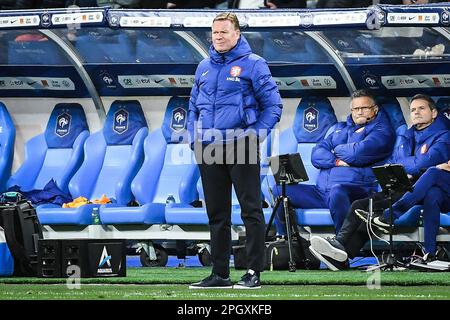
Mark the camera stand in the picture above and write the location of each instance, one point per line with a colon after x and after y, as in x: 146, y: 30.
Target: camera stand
x: 392, y: 179
x: 287, y: 169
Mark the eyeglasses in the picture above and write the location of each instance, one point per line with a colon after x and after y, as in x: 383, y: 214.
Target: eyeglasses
x: 363, y: 109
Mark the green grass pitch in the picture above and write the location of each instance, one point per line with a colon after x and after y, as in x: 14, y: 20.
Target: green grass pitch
x: 172, y: 284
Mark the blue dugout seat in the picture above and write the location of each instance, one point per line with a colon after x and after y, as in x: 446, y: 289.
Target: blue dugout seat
x: 7, y: 137
x: 182, y: 214
x: 411, y: 218
x: 394, y: 111
x: 113, y: 156
x: 55, y: 154
x: 169, y: 169
x: 443, y: 105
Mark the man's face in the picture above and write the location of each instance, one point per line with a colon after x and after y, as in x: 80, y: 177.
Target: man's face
x: 421, y: 114
x: 224, y: 36
x: 364, y: 110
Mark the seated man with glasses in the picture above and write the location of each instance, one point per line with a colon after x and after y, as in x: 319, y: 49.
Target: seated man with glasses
x: 425, y: 144
x: 345, y: 159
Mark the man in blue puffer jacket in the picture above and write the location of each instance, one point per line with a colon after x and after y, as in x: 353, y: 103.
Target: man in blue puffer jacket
x: 234, y: 101
x: 345, y: 159
x: 425, y: 144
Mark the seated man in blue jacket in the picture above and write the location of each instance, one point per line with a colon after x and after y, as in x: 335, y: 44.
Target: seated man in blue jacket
x: 345, y: 159
x: 425, y: 144
x: 433, y: 191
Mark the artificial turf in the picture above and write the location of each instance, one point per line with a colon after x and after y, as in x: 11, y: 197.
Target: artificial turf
x: 172, y: 284
x: 182, y: 292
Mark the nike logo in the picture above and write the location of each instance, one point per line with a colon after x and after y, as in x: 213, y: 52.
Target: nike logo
x: 422, y: 81
x: 410, y: 18
x: 30, y: 83
x: 205, y: 73
x: 12, y: 21
x: 290, y: 83
x: 158, y: 81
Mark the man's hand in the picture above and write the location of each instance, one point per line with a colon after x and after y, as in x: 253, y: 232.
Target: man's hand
x: 341, y: 163
x: 444, y: 166
x: 270, y: 5
x: 171, y: 5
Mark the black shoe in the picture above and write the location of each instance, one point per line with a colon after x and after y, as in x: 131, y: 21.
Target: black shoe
x: 377, y: 221
x: 250, y: 280
x: 212, y: 282
x: 330, y: 251
x: 363, y: 215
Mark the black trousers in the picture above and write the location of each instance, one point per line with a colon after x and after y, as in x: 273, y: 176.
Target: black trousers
x: 353, y: 234
x: 237, y: 166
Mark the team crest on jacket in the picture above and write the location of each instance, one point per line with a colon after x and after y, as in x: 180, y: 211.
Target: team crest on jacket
x: 311, y: 119
x: 120, y: 121
x: 235, y: 71
x: 446, y: 113
x: 178, y: 122
x: 424, y: 149
x: 63, y: 124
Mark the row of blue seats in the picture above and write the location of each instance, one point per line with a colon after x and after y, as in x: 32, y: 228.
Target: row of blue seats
x: 125, y: 162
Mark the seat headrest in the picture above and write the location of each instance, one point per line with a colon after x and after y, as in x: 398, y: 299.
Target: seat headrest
x: 313, y: 118
x: 175, y: 120
x: 4, y: 114
x: 66, y: 122
x: 443, y: 105
x: 124, y: 119
x: 393, y: 110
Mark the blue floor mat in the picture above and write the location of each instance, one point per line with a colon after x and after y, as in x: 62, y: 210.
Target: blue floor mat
x: 190, y: 261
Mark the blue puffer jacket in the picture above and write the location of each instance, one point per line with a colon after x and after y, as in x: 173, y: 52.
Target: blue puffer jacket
x: 233, y: 90
x: 419, y: 150
x: 361, y: 146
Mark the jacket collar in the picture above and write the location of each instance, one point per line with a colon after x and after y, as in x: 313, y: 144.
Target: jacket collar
x: 422, y: 135
x: 241, y: 49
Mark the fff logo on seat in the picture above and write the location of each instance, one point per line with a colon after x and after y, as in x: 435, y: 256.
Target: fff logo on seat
x: 310, y: 119
x: 446, y: 113
x: 120, y: 121
x: 178, y: 122
x: 63, y: 124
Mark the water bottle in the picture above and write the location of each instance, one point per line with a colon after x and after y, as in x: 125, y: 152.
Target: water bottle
x: 170, y: 199
x: 95, y: 216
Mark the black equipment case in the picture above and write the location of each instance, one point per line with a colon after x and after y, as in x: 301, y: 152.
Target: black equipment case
x: 276, y: 256
x: 81, y: 258
x: 22, y: 231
